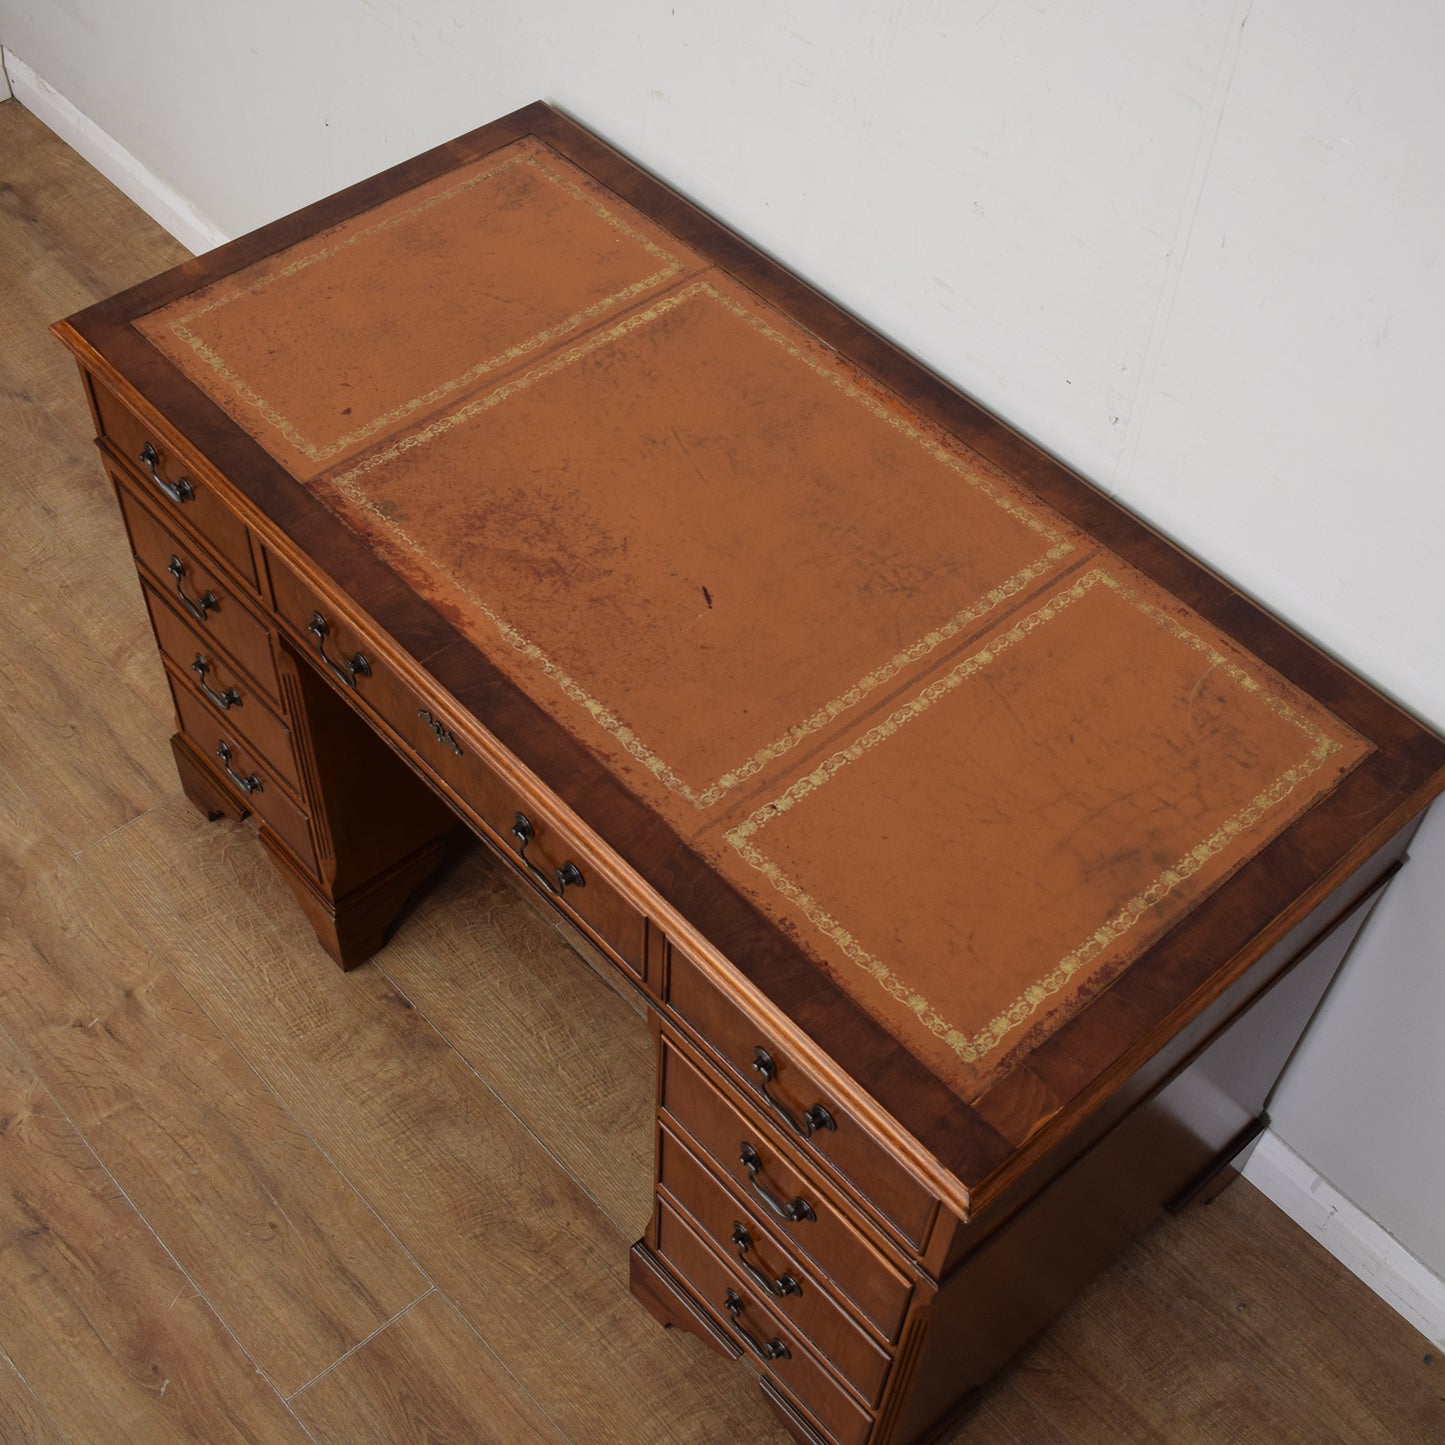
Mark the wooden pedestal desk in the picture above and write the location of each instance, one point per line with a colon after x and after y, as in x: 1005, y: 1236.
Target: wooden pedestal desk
x: 981, y: 856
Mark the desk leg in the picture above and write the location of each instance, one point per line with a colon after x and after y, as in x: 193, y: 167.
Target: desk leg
x: 354, y: 925
x: 379, y: 831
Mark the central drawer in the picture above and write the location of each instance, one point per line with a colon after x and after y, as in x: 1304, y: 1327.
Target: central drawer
x: 456, y: 762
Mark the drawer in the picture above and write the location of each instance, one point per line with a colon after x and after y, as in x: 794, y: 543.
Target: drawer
x: 794, y: 1100
x: 171, y: 482
x: 452, y: 759
x: 803, y: 1211
x: 757, y: 1332
x: 228, y: 694
x: 244, y: 772
x: 795, y: 1292
x: 182, y: 570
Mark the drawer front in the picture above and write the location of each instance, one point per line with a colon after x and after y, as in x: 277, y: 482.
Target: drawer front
x: 451, y: 758
x: 217, y: 685
x: 757, y: 1332
x: 171, y: 482
x: 804, y: 1212
x: 794, y: 1292
x: 181, y: 570
x: 795, y: 1102
x: 246, y: 773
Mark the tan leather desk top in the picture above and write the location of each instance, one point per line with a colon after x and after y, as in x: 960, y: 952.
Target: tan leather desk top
x: 971, y: 760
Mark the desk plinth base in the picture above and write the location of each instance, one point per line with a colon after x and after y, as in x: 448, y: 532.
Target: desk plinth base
x: 351, y: 925
x: 355, y: 925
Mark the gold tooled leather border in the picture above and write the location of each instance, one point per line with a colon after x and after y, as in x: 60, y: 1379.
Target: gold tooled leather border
x: 971, y: 1048
x: 535, y: 157
x: 1057, y: 545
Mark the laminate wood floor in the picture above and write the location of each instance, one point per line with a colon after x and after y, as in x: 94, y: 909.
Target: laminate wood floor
x: 245, y: 1197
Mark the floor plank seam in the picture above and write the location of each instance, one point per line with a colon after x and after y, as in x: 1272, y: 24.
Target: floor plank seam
x: 522, y: 1391
x: 626, y: 1234
x: 361, y: 1344
x: 507, y: 1370
x: 481, y: 1339
x: 34, y: 1395
x: 266, y: 1083
x: 79, y: 853
x: 122, y: 1193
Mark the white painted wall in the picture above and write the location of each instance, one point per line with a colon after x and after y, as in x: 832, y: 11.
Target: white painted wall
x: 1193, y: 249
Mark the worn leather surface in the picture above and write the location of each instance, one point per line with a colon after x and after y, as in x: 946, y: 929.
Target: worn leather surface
x: 322, y: 349
x: 967, y: 757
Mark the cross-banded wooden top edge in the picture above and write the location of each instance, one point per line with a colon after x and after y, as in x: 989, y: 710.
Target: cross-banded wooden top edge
x: 1393, y: 785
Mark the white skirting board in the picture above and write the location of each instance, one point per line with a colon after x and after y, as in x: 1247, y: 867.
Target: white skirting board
x: 1365, y: 1248
x: 164, y: 205
x: 1360, y: 1244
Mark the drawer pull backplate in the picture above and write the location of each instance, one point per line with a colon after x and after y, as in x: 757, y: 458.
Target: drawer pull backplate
x: 764, y: 1350
x: 794, y: 1211
x: 178, y: 491
x: 785, y: 1284
x: 569, y: 875
x: 224, y: 700
x: 249, y: 784
x: 198, y: 607
x: 345, y: 673
x: 813, y: 1119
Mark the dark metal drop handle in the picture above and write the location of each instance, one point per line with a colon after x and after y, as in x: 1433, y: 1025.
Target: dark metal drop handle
x: 248, y: 785
x: 794, y: 1211
x: 785, y: 1284
x: 178, y: 491
x: 569, y: 875
x: 764, y: 1349
x: 223, y: 700
x: 345, y: 673
x: 813, y: 1119
x: 199, y: 606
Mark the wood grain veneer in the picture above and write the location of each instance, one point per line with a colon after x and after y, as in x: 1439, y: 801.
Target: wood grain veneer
x: 1254, y: 1329
x: 993, y: 811
x: 341, y: 233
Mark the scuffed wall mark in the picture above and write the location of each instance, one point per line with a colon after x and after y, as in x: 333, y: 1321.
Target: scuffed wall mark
x: 1177, y: 255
